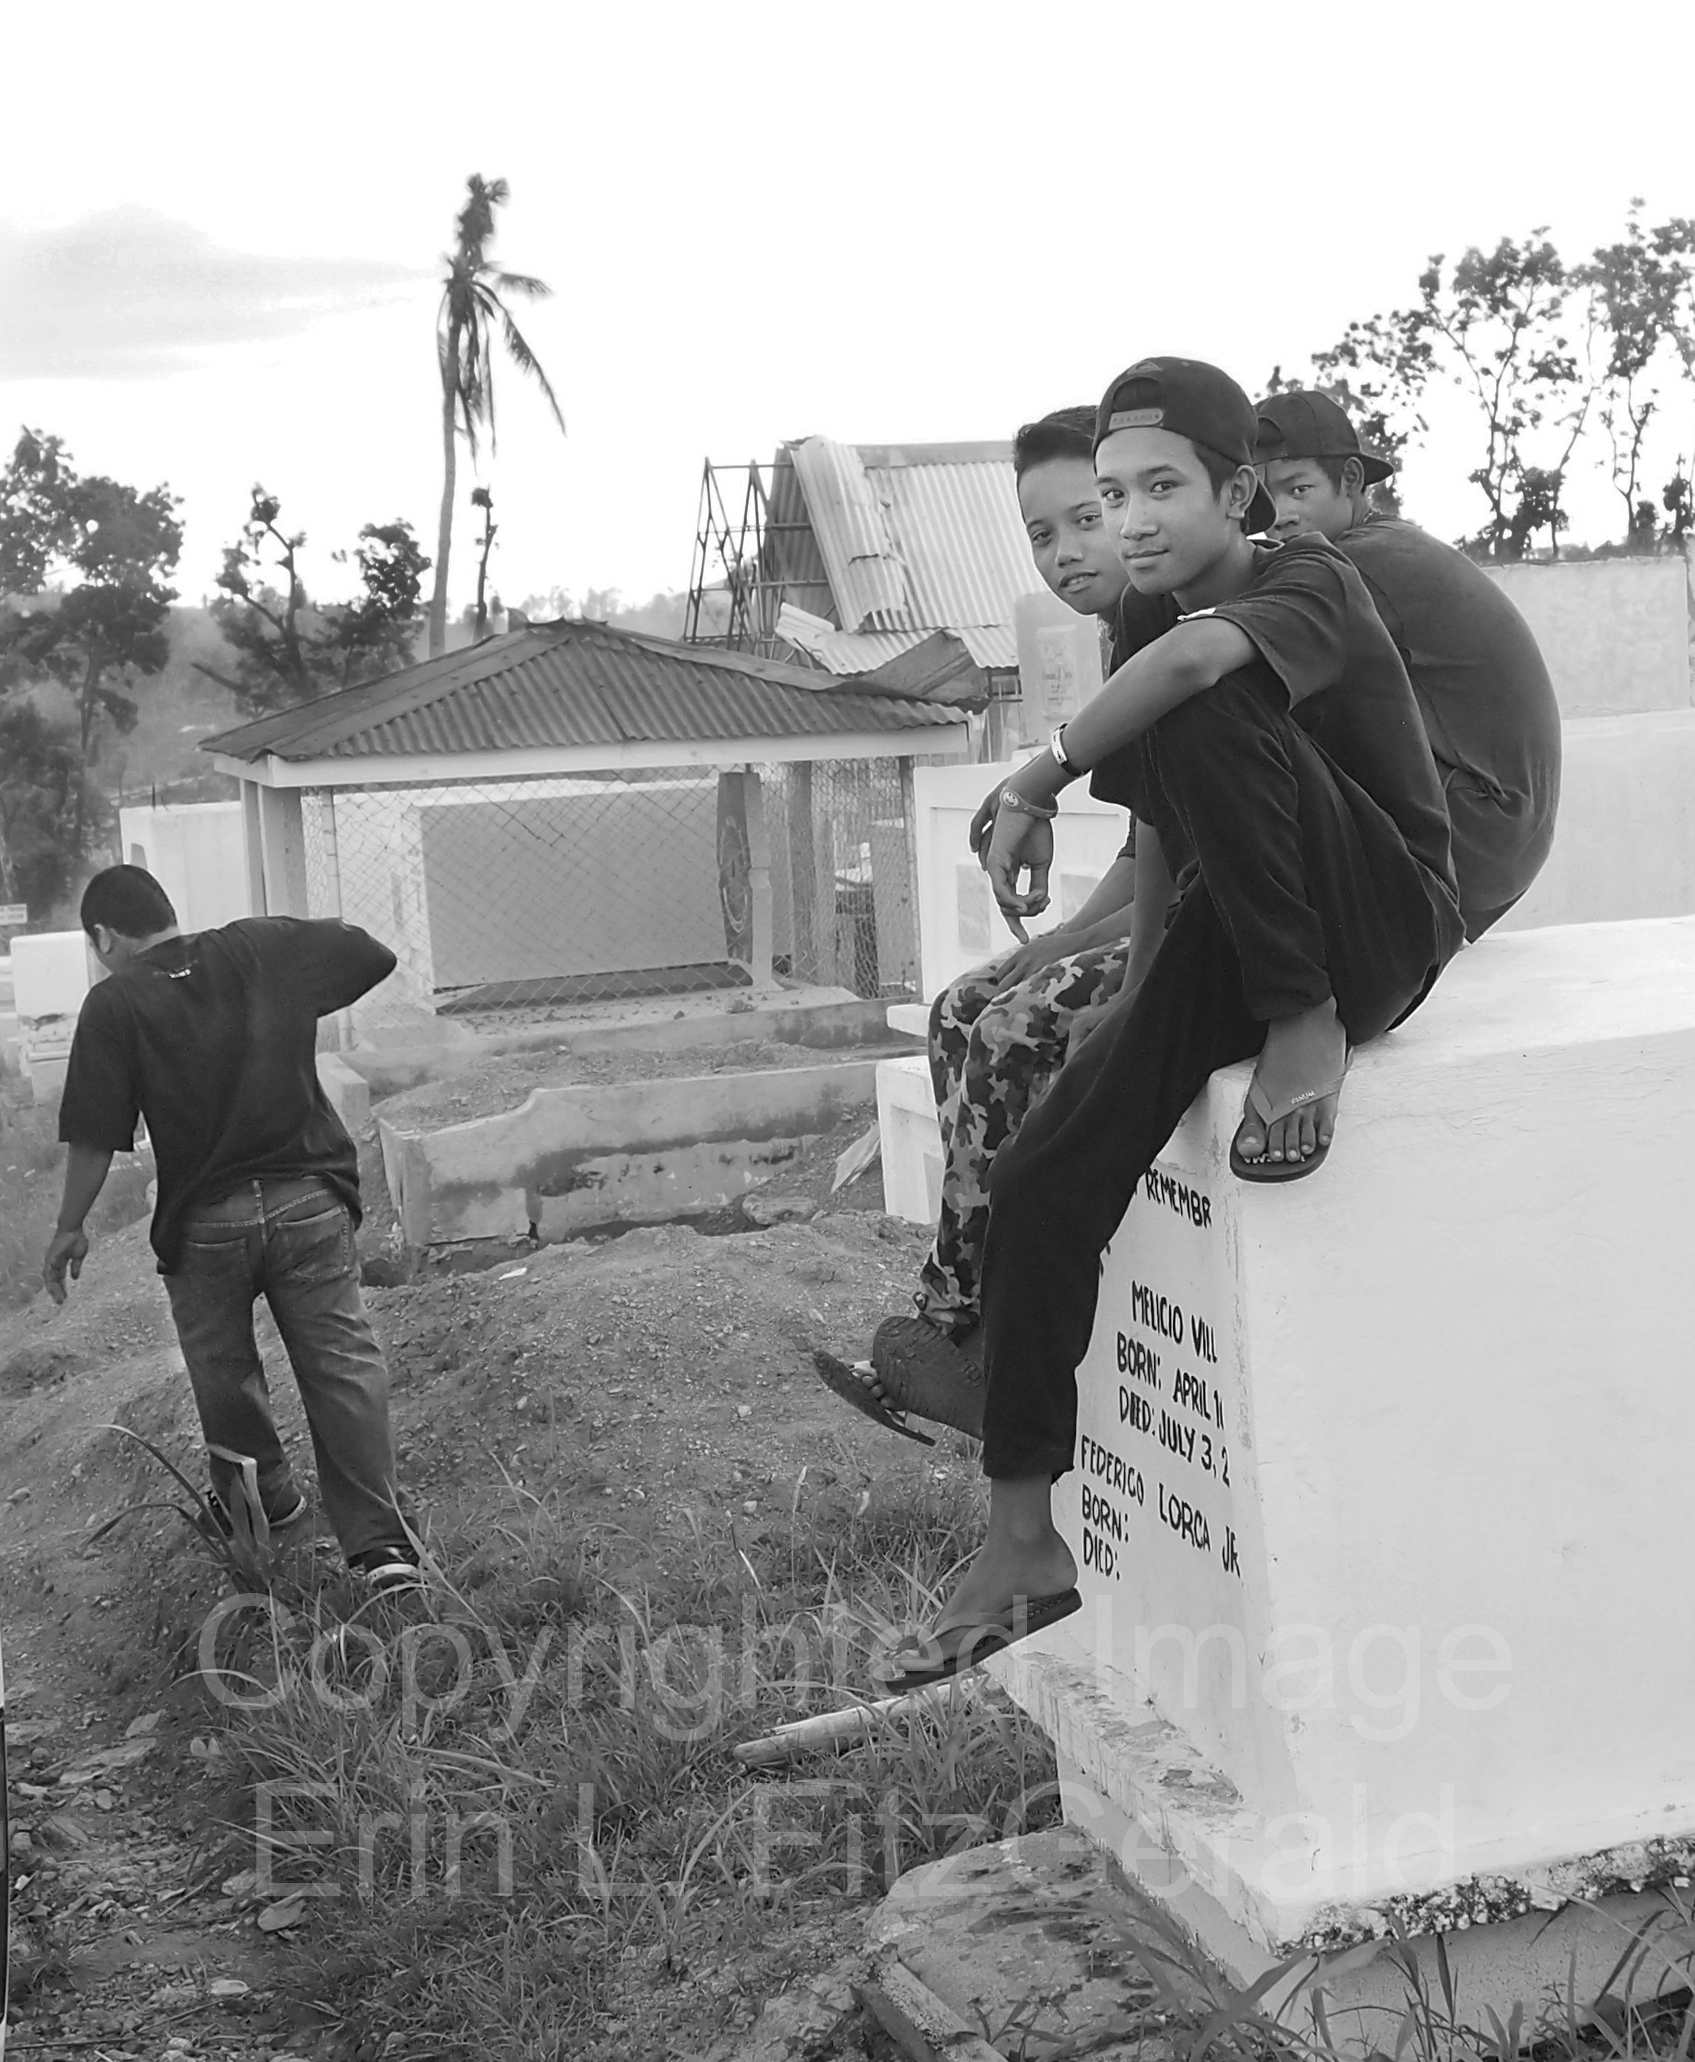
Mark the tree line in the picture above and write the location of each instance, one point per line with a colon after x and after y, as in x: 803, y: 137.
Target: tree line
x: 1564, y: 363
x: 86, y: 564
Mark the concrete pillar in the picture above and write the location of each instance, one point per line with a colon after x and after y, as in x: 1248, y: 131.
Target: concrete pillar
x: 282, y: 845
x: 253, y: 846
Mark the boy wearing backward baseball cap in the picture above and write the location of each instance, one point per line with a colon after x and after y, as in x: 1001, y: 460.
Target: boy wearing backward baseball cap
x: 1481, y: 683
x: 1261, y: 719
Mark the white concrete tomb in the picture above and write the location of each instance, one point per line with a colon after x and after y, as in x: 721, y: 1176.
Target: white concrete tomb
x: 1381, y: 1502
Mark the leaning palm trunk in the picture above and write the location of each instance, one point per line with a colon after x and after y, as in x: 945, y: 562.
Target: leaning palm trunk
x: 449, y: 480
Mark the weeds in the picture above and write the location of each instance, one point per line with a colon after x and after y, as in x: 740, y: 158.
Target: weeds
x: 507, y: 1806
x: 510, y: 1802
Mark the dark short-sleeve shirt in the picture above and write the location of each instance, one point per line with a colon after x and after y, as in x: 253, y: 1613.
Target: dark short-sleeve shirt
x: 1488, y: 706
x: 213, y: 1039
x: 1320, y: 644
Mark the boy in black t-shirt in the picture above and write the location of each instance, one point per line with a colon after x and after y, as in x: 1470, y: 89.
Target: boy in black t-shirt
x: 1488, y: 705
x: 1263, y: 720
x: 212, y: 1039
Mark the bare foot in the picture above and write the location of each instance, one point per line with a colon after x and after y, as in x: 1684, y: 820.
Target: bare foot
x: 1022, y: 1556
x: 1301, y: 1053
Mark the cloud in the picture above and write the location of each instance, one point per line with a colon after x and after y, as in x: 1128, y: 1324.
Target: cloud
x: 129, y: 293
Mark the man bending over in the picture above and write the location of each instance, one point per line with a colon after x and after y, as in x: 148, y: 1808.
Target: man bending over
x: 212, y: 1039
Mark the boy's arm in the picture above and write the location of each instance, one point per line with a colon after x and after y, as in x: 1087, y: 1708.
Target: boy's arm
x: 1108, y: 905
x: 85, y: 1175
x: 1188, y: 659
x: 343, y: 962
x: 1184, y: 662
x: 1154, y: 890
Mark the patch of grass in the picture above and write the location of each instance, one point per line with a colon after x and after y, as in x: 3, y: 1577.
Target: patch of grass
x: 510, y: 1803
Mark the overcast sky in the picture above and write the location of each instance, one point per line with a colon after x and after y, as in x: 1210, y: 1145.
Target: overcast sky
x: 220, y: 229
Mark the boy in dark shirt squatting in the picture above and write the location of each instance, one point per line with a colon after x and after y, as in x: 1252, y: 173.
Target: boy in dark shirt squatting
x: 1263, y: 721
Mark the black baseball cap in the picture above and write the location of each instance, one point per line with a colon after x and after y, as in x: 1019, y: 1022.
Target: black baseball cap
x: 1191, y: 400
x: 1303, y: 424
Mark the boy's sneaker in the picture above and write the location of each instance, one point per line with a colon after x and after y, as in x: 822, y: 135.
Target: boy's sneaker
x: 279, y: 1521
x: 387, y: 1568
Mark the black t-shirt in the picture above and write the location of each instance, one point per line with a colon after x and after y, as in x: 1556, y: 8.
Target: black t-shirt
x: 1488, y: 706
x: 213, y: 1039
x: 1322, y: 645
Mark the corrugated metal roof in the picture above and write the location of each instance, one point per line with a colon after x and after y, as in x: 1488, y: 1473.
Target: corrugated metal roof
x: 843, y: 653
x: 573, y: 684
x: 949, y: 524
x: 961, y: 540
x: 847, y: 519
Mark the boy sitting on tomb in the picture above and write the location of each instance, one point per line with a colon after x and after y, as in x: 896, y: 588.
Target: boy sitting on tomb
x: 1262, y: 719
x: 1482, y: 687
x: 999, y: 1033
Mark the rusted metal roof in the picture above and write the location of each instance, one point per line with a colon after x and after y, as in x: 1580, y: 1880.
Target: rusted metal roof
x: 574, y: 684
x: 911, y: 538
x: 847, y: 652
x: 857, y: 544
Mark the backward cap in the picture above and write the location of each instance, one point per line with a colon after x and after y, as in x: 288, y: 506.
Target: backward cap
x: 1190, y: 399
x: 1303, y: 423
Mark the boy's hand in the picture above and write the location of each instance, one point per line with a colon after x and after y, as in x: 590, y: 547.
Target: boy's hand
x: 1019, y: 841
x: 984, y: 822
x: 64, y: 1249
x: 1030, y: 959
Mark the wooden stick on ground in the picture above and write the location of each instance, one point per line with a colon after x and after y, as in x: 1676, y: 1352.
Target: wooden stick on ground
x: 839, y: 1728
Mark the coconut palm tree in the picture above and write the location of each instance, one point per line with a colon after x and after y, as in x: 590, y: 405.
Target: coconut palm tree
x: 472, y: 309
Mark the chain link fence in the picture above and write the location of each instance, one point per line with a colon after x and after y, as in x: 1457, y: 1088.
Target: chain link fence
x: 515, y: 901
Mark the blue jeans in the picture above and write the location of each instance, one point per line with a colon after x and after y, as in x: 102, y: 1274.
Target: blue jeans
x: 291, y: 1242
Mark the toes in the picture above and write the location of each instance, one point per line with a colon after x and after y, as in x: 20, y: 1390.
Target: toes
x: 1324, y: 1122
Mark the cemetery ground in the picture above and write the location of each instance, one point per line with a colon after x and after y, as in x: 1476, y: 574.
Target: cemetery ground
x: 503, y: 1819
x: 651, y: 1534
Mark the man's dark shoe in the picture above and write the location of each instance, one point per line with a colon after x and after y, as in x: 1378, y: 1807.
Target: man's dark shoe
x: 393, y: 1566
x: 925, y: 1373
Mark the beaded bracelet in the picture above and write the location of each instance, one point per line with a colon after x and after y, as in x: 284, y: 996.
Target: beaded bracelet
x: 1012, y: 799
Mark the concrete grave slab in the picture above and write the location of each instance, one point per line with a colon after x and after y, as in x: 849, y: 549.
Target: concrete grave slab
x: 1380, y: 1493
x: 570, y: 1159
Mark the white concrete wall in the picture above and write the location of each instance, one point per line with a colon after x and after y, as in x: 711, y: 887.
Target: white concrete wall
x: 1625, y: 844
x: 1615, y: 632
x: 958, y: 923
x: 196, y: 854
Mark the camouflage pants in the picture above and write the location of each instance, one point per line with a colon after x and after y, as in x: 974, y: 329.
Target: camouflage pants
x: 992, y: 1057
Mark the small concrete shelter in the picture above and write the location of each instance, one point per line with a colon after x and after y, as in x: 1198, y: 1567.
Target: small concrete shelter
x: 572, y: 813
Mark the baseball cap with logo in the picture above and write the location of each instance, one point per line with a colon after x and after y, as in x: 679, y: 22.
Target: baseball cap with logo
x: 1302, y: 424
x: 1191, y: 400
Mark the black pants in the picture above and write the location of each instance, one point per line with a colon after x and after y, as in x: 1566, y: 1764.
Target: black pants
x: 1306, y: 890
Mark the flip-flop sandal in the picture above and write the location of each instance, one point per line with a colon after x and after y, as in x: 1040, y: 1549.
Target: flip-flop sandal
x: 936, y: 1657
x: 1267, y: 1170
x: 928, y: 1375
x: 853, y: 1387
